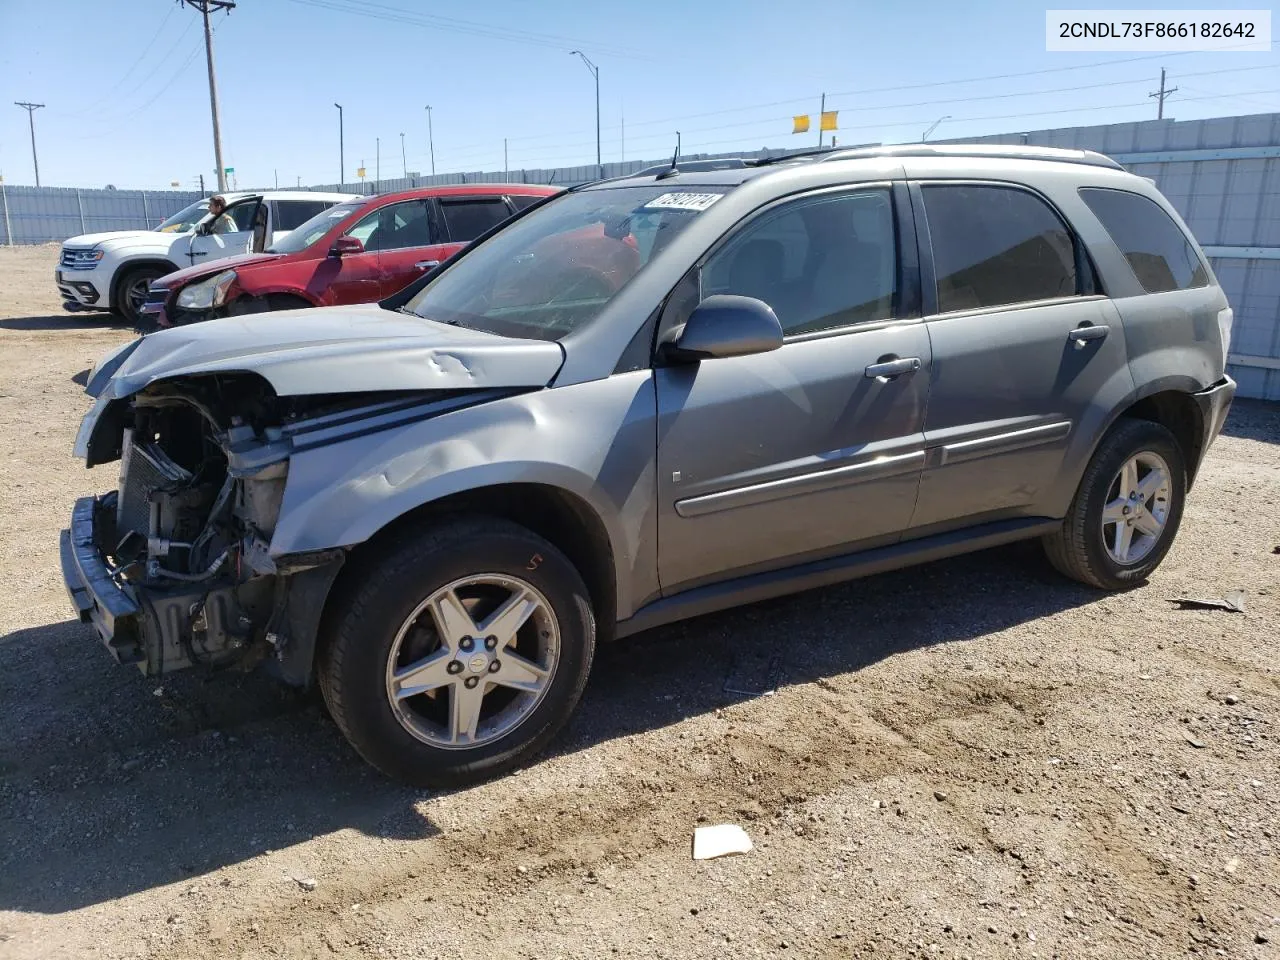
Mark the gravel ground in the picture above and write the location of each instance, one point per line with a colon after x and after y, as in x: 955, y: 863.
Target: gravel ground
x: 974, y: 758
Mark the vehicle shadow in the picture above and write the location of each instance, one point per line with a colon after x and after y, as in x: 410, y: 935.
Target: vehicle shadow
x: 68, y: 321
x: 109, y: 789
x: 1253, y: 420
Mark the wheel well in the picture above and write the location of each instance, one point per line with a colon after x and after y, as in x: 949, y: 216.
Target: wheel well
x: 1178, y: 413
x: 556, y: 515
x: 131, y: 266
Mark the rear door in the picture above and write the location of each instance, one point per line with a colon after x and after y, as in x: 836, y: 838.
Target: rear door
x: 1023, y: 344
x: 814, y: 449
x: 409, y: 246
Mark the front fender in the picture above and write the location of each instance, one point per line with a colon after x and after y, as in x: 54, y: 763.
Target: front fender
x: 594, y: 440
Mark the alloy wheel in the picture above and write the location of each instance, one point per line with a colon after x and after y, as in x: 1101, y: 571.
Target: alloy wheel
x: 1137, y: 508
x: 473, y: 661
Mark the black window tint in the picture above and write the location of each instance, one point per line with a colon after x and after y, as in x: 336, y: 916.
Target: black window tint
x: 997, y: 245
x: 820, y: 263
x: 1160, y: 254
x: 467, y: 219
x: 291, y: 214
x: 522, y: 202
x: 242, y: 214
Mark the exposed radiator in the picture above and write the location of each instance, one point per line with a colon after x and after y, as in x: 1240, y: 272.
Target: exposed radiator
x: 144, y: 467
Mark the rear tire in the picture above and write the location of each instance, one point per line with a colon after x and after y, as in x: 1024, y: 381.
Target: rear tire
x: 408, y: 663
x: 1126, y: 511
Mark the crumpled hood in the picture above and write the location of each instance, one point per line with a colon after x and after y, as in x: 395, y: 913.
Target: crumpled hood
x: 119, y: 238
x: 180, y: 278
x: 331, y: 350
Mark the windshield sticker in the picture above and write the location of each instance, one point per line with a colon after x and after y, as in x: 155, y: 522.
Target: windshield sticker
x: 696, y: 202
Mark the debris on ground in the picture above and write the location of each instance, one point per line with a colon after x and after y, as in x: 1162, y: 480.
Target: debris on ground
x: 720, y: 841
x: 1193, y: 741
x: 1232, y: 602
x: 306, y: 883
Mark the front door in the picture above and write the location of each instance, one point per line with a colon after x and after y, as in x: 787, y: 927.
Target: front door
x: 230, y: 242
x: 416, y: 247
x: 1022, y: 345
x: 816, y: 448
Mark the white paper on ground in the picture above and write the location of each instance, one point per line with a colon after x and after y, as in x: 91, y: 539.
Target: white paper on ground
x: 719, y: 841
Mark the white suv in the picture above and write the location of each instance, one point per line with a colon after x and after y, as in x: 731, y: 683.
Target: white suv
x: 111, y: 271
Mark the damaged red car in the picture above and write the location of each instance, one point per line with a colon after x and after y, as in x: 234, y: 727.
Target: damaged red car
x: 355, y: 252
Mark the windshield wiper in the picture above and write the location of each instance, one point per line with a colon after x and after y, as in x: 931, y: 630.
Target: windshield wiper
x: 411, y: 313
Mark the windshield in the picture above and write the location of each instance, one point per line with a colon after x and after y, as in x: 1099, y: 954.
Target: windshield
x: 310, y: 232
x: 554, y: 270
x: 186, y: 218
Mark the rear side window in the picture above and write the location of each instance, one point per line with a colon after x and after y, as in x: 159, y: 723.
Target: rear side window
x: 1160, y: 254
x: 467, y: 219
x: 996, y: 245
x: 291, y: 214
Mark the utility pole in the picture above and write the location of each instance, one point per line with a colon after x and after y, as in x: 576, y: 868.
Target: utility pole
x: 342, y: 160
x: 431, y: 141
x: 377, y: 164
x: 506, y: 168
x: 1160, y: 95
x: 403, y: 162
x: 595, y: 72
x: 821, y: 110
x: 623, y: 158
x: 31, y: 109
x: 276, y: 174
x: 204, y: 6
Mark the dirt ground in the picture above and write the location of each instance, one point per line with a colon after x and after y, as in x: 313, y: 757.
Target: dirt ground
x: 970, y: 759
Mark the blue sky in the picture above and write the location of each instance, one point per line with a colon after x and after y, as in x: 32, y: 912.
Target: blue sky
x: 127, y: 97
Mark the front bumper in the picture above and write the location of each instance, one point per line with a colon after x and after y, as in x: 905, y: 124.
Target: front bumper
x: 80, y: 287
x: 98, y: 599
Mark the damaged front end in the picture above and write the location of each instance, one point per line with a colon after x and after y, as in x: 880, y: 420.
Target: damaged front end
x: 174, y: 568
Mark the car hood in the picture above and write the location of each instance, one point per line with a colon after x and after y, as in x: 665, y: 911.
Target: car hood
x: 180, y: 278
x: 121, y: 238
x: 331, y: 350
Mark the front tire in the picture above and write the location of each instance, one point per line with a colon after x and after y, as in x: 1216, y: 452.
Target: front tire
x: 1127, y: 510
x: 459, y: 653
x: 131, y: 293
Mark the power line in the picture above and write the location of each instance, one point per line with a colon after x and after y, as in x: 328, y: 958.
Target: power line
x: 385, y: 12
x: 464, y: 152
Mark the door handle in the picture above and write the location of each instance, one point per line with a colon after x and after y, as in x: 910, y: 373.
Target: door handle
x: 888, y: 369
x: 199, y: 253
x: 426, y: 264
x: 1093, y: 331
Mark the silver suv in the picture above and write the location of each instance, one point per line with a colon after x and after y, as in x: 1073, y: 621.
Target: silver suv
x: 643, y: 400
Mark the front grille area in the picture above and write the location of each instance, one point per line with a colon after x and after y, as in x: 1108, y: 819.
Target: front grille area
x: 144, y: 468
x: 74, y: 259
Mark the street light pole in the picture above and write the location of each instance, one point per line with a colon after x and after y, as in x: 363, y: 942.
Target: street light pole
x: 403, y: 162
x: 934, y: 126
x: 595, y: 72
x: 431, y: 141
x: 31, y: 109
x: 342, y: 160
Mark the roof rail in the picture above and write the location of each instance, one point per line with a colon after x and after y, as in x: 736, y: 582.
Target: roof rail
x: 987, y: 150
x: 696, y: 166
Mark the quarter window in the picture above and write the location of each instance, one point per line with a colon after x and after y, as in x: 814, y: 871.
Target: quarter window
x: 467, y: 219
x: 997, y: 245
x: 1160, y: 254
x: 820, y: 263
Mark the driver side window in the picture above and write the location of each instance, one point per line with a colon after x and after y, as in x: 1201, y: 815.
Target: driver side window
x: 820, y: 263
x: 242, y: 214
x: 394, y: 227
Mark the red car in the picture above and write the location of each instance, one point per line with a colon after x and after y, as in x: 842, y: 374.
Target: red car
x: 355, y: 252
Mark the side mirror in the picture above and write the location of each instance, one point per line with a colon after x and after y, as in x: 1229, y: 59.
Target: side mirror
x: 346, y: 246
x: 724, y: 326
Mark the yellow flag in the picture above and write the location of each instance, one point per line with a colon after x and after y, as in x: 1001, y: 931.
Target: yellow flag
x: 801, y: 123
x: 828, y: 120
